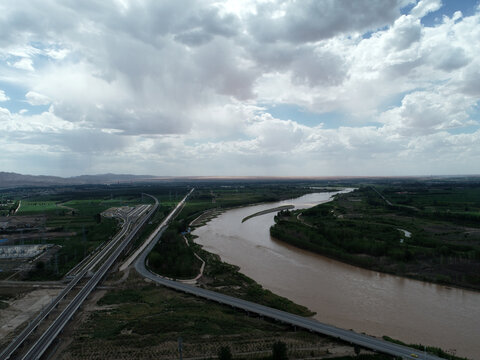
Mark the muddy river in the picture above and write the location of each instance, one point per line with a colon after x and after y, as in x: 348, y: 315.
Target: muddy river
x: 343, y: 295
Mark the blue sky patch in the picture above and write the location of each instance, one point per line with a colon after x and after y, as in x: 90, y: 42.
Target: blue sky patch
x: 17, y: 100
x: 464, y: 130
x: 467, y: 7
x: 330, y: 120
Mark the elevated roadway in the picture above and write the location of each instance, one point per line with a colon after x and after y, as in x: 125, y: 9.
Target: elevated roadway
x: 155, y: 234
x: 352, y: 337
x: 113, y: 249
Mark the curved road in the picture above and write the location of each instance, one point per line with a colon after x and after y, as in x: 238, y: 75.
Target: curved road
x: 295, y: 320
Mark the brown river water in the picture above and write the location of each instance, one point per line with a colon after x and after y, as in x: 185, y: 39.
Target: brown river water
x: 343, y: 295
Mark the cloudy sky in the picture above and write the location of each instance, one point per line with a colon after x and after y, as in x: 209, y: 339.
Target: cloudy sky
x: 240, y: 87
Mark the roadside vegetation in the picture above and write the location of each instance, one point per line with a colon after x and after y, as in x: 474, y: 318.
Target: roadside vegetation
x: 3, y: 303
x: 425, y: 231
x: 70, y: 219
x: 138, y: 320
x: 174, y: 255
x: 173, y: 258
x: 7, y: 206
x: 429, y: 349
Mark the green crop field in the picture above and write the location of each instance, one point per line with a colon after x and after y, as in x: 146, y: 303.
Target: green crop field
x: 36, y: 207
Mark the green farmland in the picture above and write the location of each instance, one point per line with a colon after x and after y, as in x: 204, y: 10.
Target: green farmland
x: 34, y: 207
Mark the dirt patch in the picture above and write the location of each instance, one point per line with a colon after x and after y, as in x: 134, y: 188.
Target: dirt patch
x: 205, y: 217
x: 22, y: 309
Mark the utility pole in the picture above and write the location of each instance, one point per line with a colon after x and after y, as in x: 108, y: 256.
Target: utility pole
x: 56, y: 263
x: 180, y: 348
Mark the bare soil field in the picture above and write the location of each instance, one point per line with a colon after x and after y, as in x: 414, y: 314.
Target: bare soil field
x: 22, y: 306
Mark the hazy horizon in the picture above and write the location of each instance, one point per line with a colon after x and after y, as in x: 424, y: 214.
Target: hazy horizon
x: 233, y: 177
x: 251, y: 88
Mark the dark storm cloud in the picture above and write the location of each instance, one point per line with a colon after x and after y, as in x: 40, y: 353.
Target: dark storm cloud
x: 314, y: 20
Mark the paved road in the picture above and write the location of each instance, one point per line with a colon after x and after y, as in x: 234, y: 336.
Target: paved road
x: 383, y: 197
x: 36, y: 351
x: 295, y: 320
x: 154, y: 235
x: 59, y: 323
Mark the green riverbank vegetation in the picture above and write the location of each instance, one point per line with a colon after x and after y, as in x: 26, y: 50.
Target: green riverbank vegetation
x: 239, y: 194
x: 174, y: 254
x: 173, y: 257
x: 429, y: 232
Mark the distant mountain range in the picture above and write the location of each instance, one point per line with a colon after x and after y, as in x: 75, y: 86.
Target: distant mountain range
x: 8, y: 179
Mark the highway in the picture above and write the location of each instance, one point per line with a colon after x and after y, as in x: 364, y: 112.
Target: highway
x: 284, y: 317
x: 42, y: 344
x: 154, y: 235
x: 59, y: 323
x: 112, y: 252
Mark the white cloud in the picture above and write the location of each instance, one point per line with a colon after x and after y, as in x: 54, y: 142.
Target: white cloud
x: 319, y: 19
x: 57, y: 54
x: 426, y: 112
x: 277, y: 135
x: 34, y: 98
x: 23, y: 64
x: 424, y: 7
x: 181, y: 86
x: 3, y: 96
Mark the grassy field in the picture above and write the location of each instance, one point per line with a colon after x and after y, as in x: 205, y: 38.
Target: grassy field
x: 137, y: 320
x: 34, y: 207
x: 363, y: 229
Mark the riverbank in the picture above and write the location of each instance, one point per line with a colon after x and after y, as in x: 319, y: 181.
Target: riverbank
x: 227, y: 279
x: 276, y: 209
x: 132, y: 318
x: 358, y: 230
x: 343, y: 295
x: 173, y: 258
